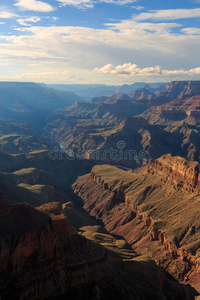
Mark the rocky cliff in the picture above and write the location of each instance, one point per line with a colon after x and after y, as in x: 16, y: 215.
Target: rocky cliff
x: 181, y: 119
x: 156, y: 210
x: 177, y: 170
x: 43, y: 257
x: 99, y: 126
x: 180, y: 89
x: 176, y: 110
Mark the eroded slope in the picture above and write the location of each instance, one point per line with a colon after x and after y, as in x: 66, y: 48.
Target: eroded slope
x: 43, y: 257
x: 157, y: 210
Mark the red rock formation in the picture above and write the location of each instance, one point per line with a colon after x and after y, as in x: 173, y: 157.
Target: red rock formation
x: 177, y: 170
x: 180, y: 89
x: 125, y: 218
x: 41, y: 255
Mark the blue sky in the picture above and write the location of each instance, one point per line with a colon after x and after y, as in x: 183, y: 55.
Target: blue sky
x: 99, y: 41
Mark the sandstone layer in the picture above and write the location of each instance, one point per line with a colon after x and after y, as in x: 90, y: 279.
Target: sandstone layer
x: 43, y: 257
x: 156, y: 209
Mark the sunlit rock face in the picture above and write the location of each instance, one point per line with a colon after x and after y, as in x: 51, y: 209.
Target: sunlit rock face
x: 155, y: 208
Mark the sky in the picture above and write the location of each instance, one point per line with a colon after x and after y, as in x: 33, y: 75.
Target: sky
x: 99, y: 41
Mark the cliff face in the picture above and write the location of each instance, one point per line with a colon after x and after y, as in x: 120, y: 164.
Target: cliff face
x: 176, y: 110
x: 177, y: 170
x: 179, y: 89
x: 92, y: 126
x: 42, y: 255
x: 180, y: 118
x: 156, y: 210
x: 123, y: 106
x: 141, y: 94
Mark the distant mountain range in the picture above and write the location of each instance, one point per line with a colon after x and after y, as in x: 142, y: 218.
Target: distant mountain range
x: 31, y: 102
x: 100, y: 124
x: 89, y: 91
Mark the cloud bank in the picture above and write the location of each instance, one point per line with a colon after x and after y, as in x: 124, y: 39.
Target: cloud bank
x: 162, y: 49
x: 34, y: 5
x: 25, y: 22
x: 169, y: 14
x: 129, y: 69
x: 7, y: 15
x: 84, y: 4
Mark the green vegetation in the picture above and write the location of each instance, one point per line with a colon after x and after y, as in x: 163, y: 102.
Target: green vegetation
x: 101, y: 236
x: 27, y: 171
x: 38, y: 189
x: 20, y: 138
x: 114, y: 176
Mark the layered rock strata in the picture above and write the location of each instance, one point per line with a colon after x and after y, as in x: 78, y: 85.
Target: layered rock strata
x: 43, y: 257
x: 156, y: 210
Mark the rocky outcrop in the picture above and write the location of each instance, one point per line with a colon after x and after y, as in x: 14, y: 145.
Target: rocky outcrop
x: 177, y: 170
x: 179, y: 89
x: 175, y: 110
x: 42, y: 255
x: 141, y: 94
x: 92, y: 126
x: 173, y: 114
x: 31, y: 177
x: 180, y: 118
x: 195, y: 114
x: 154, y: 215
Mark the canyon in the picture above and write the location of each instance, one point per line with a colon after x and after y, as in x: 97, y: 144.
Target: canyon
x: 122, y: 227
x: 42, y: 256
x: 172, y: 125
x: 155, y: 208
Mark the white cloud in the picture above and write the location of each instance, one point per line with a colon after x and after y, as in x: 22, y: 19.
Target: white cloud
x: 84, y: 48
x: 135, y: 26
x: 24, y: 22
x: 195, y: 71
x: 191, y: 30
x: 129, y: 69
x: 191, y: 72
x: 84, y: 4
x: 34, y: 5
x: 138, y: 7
x: 168, y: 14
x: 7, y: 15
x: 118, y: 2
